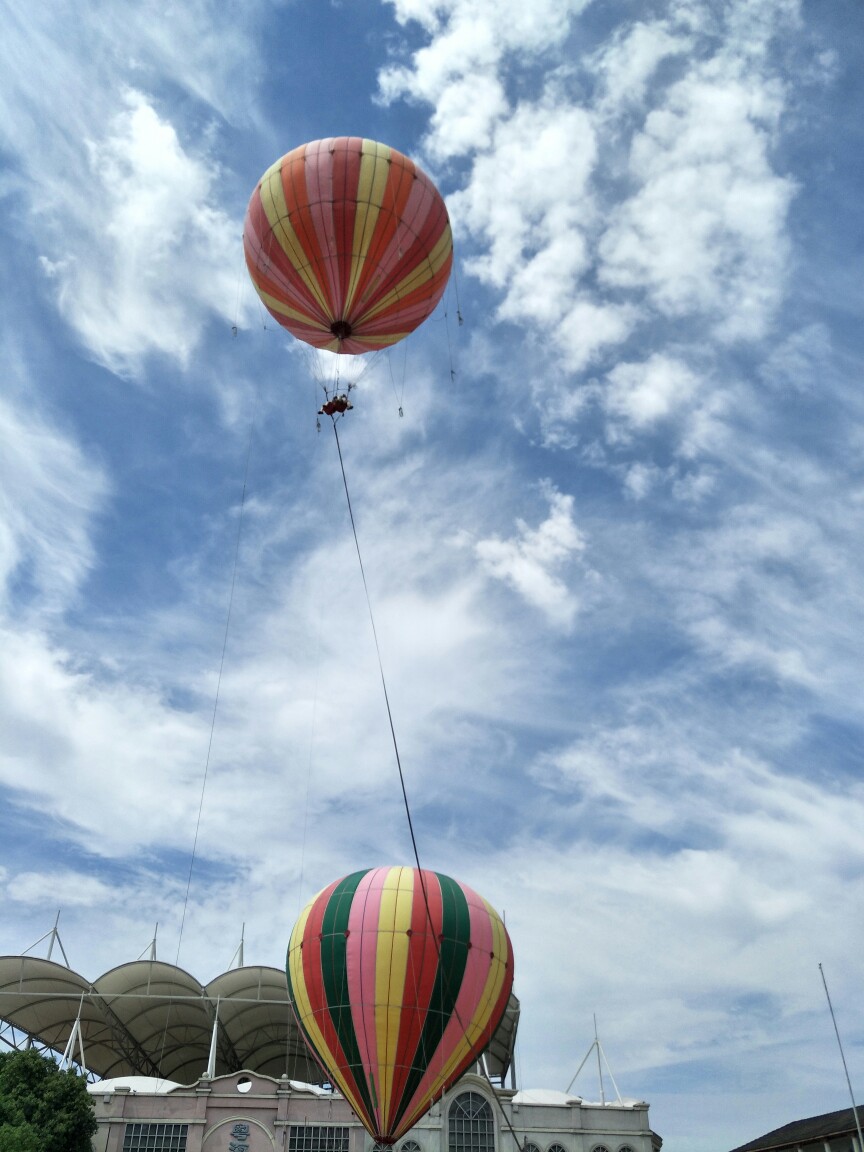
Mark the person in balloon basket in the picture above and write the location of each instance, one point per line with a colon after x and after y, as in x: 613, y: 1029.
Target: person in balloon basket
x: 334, y: 405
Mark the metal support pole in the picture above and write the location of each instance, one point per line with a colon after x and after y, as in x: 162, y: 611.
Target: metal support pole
x: 599, y: 1062
x: 842, y: 1057
x: 66, y: 1058
x: 75, y: 1034
x: 53, y: 934
x: 211, y: 1062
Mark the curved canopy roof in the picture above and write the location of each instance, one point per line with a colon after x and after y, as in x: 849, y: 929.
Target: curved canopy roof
x: 149, y: 1018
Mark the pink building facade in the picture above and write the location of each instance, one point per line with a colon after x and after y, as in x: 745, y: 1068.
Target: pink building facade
x: 248, y: 1112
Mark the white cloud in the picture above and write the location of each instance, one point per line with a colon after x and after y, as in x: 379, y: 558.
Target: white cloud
x: 693, y: 487
x: 528, y: 562
x: 128, y: 701
x: 628, y: 62
x: 642, y: 394
x: 58, y: 888
x: 88, y: 54
x: 466, y: 111
x: 81, y: 735
x: 157, y: 255
x: 590, y: 328
x: 49, y: 496
x: 470, y: 42
x: 697, y: 865
x: 640, y: 480
x: 525, y: 198
x: 766, y: 590
x: 704, y: 232
x: 800, y: 361
x: 124, y: 214
x: 735, y: 830
x: 637, y: 195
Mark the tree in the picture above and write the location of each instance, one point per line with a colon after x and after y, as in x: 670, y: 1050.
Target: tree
x: 43, y: 1109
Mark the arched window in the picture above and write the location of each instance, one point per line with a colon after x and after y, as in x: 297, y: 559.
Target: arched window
x: 413, y: 1146
x: 528, y: 1146
x: 471, y: 1126
x: 561, y: 1148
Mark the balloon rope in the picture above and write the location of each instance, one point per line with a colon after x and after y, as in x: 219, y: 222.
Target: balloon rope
x: 218, y: 684
x: 456, y: 291
x: 496, y: 1098
x: 210, y: 741
x: 309, y: 768
x: 381, y: 669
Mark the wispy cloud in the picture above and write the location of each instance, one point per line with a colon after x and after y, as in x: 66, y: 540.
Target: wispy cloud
x: 130, y: 235
x: 50, y: 497
x: 529, y: 562
x: 703, y: 231
x: 159, y: 256
x: 640, y: 395
x: 680, y: 217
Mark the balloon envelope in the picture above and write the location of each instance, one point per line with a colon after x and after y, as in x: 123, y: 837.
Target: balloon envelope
x: 348, y: 244
x: 397, y: 999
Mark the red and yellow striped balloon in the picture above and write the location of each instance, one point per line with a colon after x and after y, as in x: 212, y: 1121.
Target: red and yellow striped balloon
x: 398, y: 986
x: 348, y: 244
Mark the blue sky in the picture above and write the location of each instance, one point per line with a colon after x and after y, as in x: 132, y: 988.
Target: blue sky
x: 615, y: 559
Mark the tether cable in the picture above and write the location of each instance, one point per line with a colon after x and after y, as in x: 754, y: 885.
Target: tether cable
x: 218, y: 681
x: 212, y: 726
x: 380, y: 664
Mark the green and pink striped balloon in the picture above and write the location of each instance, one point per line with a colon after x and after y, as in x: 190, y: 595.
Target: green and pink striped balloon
x: 398, y: 979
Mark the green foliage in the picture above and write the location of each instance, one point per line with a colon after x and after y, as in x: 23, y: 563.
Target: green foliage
x: 41, y: 1108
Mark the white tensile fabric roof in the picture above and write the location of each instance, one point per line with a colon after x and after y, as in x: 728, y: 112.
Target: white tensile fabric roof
x: 149, y: 1018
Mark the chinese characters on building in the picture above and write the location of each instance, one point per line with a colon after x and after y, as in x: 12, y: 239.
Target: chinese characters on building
x: 239, y: 1138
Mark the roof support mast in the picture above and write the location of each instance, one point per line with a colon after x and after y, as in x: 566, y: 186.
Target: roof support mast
x: 54, y: 936
x: 211, y: 1061
x: 238, y: 955
x: 596, y: 1045
x: 69, y: 1052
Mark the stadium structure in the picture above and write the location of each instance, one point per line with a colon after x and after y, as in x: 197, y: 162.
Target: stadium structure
x: 179, y: 1066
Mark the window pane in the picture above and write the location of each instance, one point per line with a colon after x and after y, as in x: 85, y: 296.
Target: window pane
x: 317, y: 1138
x: 471, y: 1128
x: 155, y: 1138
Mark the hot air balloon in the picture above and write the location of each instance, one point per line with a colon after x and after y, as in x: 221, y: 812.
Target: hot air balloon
x: 348, y: 244
x: 398, y: 979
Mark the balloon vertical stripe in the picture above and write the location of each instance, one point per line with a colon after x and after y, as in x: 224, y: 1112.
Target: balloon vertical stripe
x: 334, y: 967
x: 422, y: 972
x: 454, y: 942
x: 398, y: 980
x: 371, y: 186
x: 329, y: 1033
x: 393, y: 950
